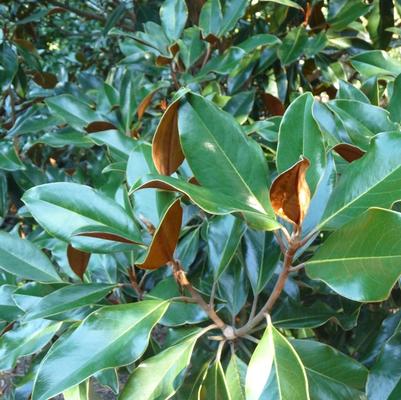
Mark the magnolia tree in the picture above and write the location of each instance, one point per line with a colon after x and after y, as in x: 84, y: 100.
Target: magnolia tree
x: 198, y: 200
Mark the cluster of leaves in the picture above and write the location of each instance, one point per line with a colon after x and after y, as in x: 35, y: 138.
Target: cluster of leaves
x: 201, y: 195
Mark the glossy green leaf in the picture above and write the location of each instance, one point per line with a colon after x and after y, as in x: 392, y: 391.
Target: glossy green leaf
x: 9, y: 159
x: 173, y: 16
x: 9, y: 66
x: 290, y: 314
x: 233, y: 286
x: 293, y: 45
x: 64, y: 208
x: 287, y: 3
x: 202, y: 125
x: 23, y: 259
x: 211, y: 17
x: 24, y: 340
x: 68, y: 298
x: 8, y: 308
x: 235, y: 378
x: 376, y: 63
x: 275, y: 370
x: 160, y: 376
x: 74, y: 112
x: 179, y: 312
x: 259, y: 40
x: 394, y: 106
x: 331, y: 374
x: 261, y: 254
x: 191, y: 46
x: 361, y: 121
x: 342, y: 12
x: 207, y: 199
x: 347, y: 91
x: 214, y: 386
x: 321, y: 197
x: 119, y: 144
x: 79, y: 392
x: 385, y: 375
x: 224, y: 63
x: 110, y: 337
x: 362, y: 260
x: 149, y: 205
x: 370, y: 181
x: 224, y: 234
x: 233, y: 10
x: 299, y: 128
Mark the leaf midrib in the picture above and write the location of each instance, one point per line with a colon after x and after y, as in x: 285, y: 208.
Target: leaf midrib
x: 324, y: 222
x: 229, y: 161
x: 84, y: 365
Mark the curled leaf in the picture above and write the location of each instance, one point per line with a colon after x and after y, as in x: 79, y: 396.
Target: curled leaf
x: 78, y: 260
x: 99, y: 126
x: 290, y: 194
x: 348, y: 151
x: 46, y: 80
x: 273, y: 105
x: 162, y: 247
x: 166, y: 148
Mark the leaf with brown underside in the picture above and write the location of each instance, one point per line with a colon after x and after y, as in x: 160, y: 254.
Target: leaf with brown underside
x: 144, y: 104
x: 46, y: 80
x: 348, y: 151
x: 272, y: 104
x: 164, y: 242
x: 78, y: 260
x: 166, y: 148
x: 107, y: 236
x: 99, y: 126
x: 290, y: 194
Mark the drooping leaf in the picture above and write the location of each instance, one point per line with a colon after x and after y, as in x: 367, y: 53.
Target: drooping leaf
x: 170, y: 365
x: 261, y: 254
x: 376, y: 63
x: 370, y: 181
x: 9, y: 159
x: 342, y: 12
x: 385, y: 375
x: 63, y: 208
x: 214, y: 386
x: 293, y: 45
x: 68, y: 298
x: 290, y: 194
x: 361, y: 121
x: 165, y: 238
x: 166, y: 148
x: 235, y: 378
x: 362, y: 260
x: 24, y: 340
x: 78, y: 260
x: 224, y: 234
x: 73, y: 111
x: 331, y: 374
x: 23, y: 259
x: 348, y: 151
x: 275, y: 370
x: 110, y: 337
x: 299, y: 128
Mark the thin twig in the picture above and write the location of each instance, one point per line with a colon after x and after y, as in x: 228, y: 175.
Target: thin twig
x: 182, y: 280
x: 293, y: 245
x: 251, y: 339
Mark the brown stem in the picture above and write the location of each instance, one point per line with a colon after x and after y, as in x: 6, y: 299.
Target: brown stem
x: 134, y: 282
x: 86, y: 14
x: 182, y: 280
x: 293, y: 245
